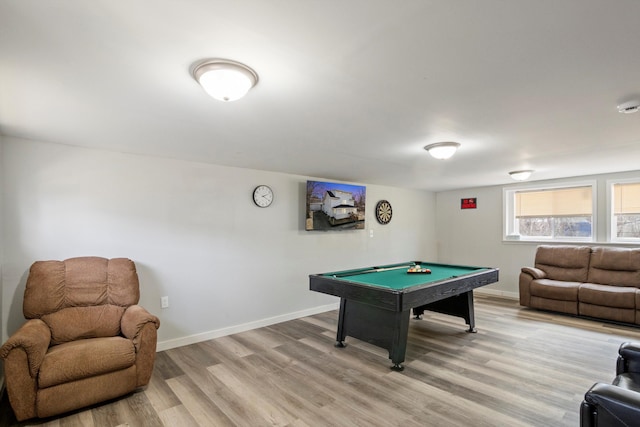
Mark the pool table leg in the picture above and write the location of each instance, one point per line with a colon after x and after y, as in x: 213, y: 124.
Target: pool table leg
x: 460, y: 305
x: 470, y: 317
x: 341, y: 334
x: 383, y: 328
x: 398, y: 346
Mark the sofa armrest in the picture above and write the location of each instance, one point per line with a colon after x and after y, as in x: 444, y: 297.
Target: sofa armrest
x: 611, y: 405
x: 528, y: 275
x: 536, y: 273
x: 34, y: 338
x: 629, y: 359
x: 141, y: 327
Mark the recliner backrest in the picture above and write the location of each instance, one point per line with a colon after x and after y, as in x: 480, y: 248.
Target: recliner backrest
x: 563, y: 262
x: 82, y: 297
x: 615, y: 266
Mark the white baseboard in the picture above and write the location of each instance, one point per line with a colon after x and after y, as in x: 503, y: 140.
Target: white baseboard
x: 217, y: 333
x: 204, y: 336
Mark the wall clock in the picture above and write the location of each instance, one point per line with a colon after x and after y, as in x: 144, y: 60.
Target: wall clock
x: 263, y: 196
x: 383, y: 212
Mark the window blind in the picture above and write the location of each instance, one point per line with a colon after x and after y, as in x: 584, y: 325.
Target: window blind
x: 626, y: 198
x: 574, y: 201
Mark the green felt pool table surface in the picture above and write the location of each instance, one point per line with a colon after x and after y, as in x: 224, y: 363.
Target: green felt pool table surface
x: 375, y: 301
x: 395, y: 276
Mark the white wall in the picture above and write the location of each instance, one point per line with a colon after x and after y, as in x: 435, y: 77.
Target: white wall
x: 194, y: 233
x: 474, y: 236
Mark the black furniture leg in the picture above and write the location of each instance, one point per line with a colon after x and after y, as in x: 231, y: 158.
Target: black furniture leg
x: 470, y: 318
x: 398, y: 346
x: 458, y: 305
x: 383, y: 328
x: 341, y: 334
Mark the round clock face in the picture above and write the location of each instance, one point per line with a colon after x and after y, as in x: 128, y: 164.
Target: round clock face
x: 263, y: 196
x: 383, y: 212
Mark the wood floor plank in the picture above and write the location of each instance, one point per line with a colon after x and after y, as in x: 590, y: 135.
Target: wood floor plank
x: 177, y: 416
x: 160, y: 395
x: 140, y: 410
x: 165, y: 367
x: 251, y: 399
x: 228, y: 348
x: 199, y: 405
x: 79, y: 419
x: 523, y: 368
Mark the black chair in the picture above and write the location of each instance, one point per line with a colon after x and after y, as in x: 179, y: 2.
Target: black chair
x: 618, y: 403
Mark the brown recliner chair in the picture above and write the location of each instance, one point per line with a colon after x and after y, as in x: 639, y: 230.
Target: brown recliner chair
x: 85, y: 340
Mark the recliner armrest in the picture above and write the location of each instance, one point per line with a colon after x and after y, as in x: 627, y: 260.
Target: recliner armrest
x: 140, y: 326
x: 536, y: 273
x: 134, y: 319
x: 613, y: 405
x: 629, y: 359
x: 34, y: 337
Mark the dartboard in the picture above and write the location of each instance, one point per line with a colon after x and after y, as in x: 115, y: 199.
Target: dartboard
x: 383, y: 212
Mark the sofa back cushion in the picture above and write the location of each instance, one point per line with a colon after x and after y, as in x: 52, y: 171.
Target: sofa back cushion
x: 615, y: 266
x: 563, y: 262
x: 81, y: 297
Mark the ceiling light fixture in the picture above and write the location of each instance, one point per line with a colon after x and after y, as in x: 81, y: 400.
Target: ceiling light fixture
x: 521, y: 175
x: 225, y: 80
x: 442, y: 150
x: 629, y: 107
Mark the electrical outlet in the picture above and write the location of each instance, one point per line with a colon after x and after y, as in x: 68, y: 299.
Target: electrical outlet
x: 164, y: 302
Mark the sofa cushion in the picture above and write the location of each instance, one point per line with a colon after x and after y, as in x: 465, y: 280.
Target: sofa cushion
x: 85, y: 358
x: 607, y: 296
x: 566, y: 263
x: 615, y: 266
x: 555, y: 289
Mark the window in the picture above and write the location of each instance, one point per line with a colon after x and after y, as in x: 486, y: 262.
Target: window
x: 550, y: 213
x: 625, y: 211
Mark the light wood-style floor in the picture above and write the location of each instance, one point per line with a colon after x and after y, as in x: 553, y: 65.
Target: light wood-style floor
x: 522, y: 368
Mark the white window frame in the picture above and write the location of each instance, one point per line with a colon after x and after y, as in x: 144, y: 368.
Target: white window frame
x: 508, y: 211
x: 611, y: 223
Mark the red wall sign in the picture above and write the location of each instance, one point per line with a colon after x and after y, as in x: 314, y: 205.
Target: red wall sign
x: 469, y: 203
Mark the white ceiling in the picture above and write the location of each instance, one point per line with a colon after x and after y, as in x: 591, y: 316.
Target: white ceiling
x: 349, y: 90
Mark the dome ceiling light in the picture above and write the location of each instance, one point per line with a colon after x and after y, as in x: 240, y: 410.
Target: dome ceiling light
x: 442, y: 150
x: 225, y: 80
x: 522, y: 175
x: 629, y: 107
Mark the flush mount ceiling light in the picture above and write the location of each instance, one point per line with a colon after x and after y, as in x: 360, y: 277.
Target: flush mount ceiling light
x: 629, y: 107
x: 225, y: 80
x: 521, y: 175
x: 442, y: 150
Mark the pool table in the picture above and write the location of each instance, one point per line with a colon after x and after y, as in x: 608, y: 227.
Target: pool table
x: 375, y: 302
